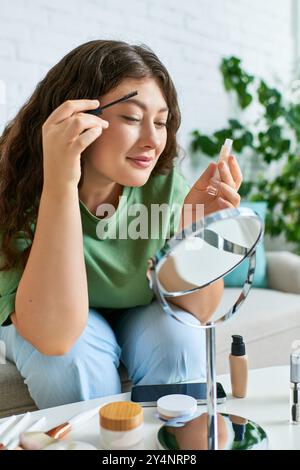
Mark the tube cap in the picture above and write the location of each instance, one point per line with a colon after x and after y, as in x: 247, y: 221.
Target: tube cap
x: 295, y: 367
x: 228, y: 144
x: 226, y: 149
x: 238, y: 346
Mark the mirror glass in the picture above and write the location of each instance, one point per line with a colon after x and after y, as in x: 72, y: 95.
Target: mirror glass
x: 209, y: 253
x: 205, y: 252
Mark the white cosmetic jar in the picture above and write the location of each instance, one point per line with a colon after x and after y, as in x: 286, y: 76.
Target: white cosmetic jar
x: 121, y: 425
x: 173, y: 406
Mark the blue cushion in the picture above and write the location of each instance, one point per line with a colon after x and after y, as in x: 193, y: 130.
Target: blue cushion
x: 237, y: 277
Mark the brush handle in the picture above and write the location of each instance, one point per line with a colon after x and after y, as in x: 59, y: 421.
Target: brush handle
x: 7, y: 423
x: 95, y: 112
x: 60, y: 431
x: 14, y: 432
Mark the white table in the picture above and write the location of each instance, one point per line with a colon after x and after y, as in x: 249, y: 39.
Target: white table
x: 267, y: 403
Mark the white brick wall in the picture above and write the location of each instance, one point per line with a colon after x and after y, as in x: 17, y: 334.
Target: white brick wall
x: 189, y: 36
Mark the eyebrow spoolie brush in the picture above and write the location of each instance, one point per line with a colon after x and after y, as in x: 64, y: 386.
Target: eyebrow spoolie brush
x: 99, y: 110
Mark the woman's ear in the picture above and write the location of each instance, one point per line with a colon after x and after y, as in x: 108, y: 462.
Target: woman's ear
x: 13, y: 318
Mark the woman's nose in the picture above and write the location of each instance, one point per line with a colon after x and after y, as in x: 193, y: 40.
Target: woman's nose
x: 149, y: 138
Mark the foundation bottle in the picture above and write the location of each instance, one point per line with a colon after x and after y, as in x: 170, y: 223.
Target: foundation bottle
x: 238, y: 361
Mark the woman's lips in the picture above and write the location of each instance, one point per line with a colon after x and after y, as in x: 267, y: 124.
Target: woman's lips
x: 142, y: 162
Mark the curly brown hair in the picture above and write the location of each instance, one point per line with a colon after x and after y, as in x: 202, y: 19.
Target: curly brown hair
x: 89, y: 71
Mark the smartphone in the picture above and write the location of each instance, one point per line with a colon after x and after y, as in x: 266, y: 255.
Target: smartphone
x: 147, y: 395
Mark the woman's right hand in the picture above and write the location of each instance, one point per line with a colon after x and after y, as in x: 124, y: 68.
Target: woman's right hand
x: 66, y: 133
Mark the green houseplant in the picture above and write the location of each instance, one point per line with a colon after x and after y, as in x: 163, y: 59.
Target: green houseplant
x: 271, y: 142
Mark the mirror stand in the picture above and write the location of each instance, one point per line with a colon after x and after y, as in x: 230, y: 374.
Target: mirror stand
x: 211, y: 387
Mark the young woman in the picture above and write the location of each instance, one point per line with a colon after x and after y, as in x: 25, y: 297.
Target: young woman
x: 73, y: 304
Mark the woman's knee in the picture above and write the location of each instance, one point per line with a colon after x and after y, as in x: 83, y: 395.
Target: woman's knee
x: 165, y: 349
x: 57, y: 380
x: 180, y: 355
x: 88, y: 370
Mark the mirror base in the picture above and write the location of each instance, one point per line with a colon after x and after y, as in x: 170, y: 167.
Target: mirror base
x: 234, y: 433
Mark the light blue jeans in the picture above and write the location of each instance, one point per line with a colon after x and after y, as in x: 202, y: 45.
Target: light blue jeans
x: 154, y: 348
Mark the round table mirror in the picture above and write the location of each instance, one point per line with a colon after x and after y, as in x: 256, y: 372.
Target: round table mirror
x: 197, y: 257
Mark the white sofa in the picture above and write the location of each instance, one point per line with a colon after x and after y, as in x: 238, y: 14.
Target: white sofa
x: 269, y: 320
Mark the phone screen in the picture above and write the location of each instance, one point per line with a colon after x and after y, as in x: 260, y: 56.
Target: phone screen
x: 149, y: 394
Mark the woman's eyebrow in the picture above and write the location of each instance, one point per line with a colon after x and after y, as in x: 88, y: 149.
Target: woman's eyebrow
x: 143, y: 106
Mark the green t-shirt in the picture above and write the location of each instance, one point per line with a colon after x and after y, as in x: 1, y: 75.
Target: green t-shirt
x: 117, y: 249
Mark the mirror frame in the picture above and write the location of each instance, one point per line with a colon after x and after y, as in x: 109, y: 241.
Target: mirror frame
x: 199, y: 227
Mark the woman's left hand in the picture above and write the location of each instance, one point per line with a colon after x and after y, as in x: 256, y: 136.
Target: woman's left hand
x: 217, y: 194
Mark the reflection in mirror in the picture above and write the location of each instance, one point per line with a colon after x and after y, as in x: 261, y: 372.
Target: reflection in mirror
x: 192, y: 264
x: 239, y: 427
x: 208, y: 254
x: 234, y: 432
x: 242, y: 231
x: 193, y: 435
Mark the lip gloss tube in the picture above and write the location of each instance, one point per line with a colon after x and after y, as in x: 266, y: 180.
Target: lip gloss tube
x: 223, y: 157
x: 295, y: 388
x: 225, y: 150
